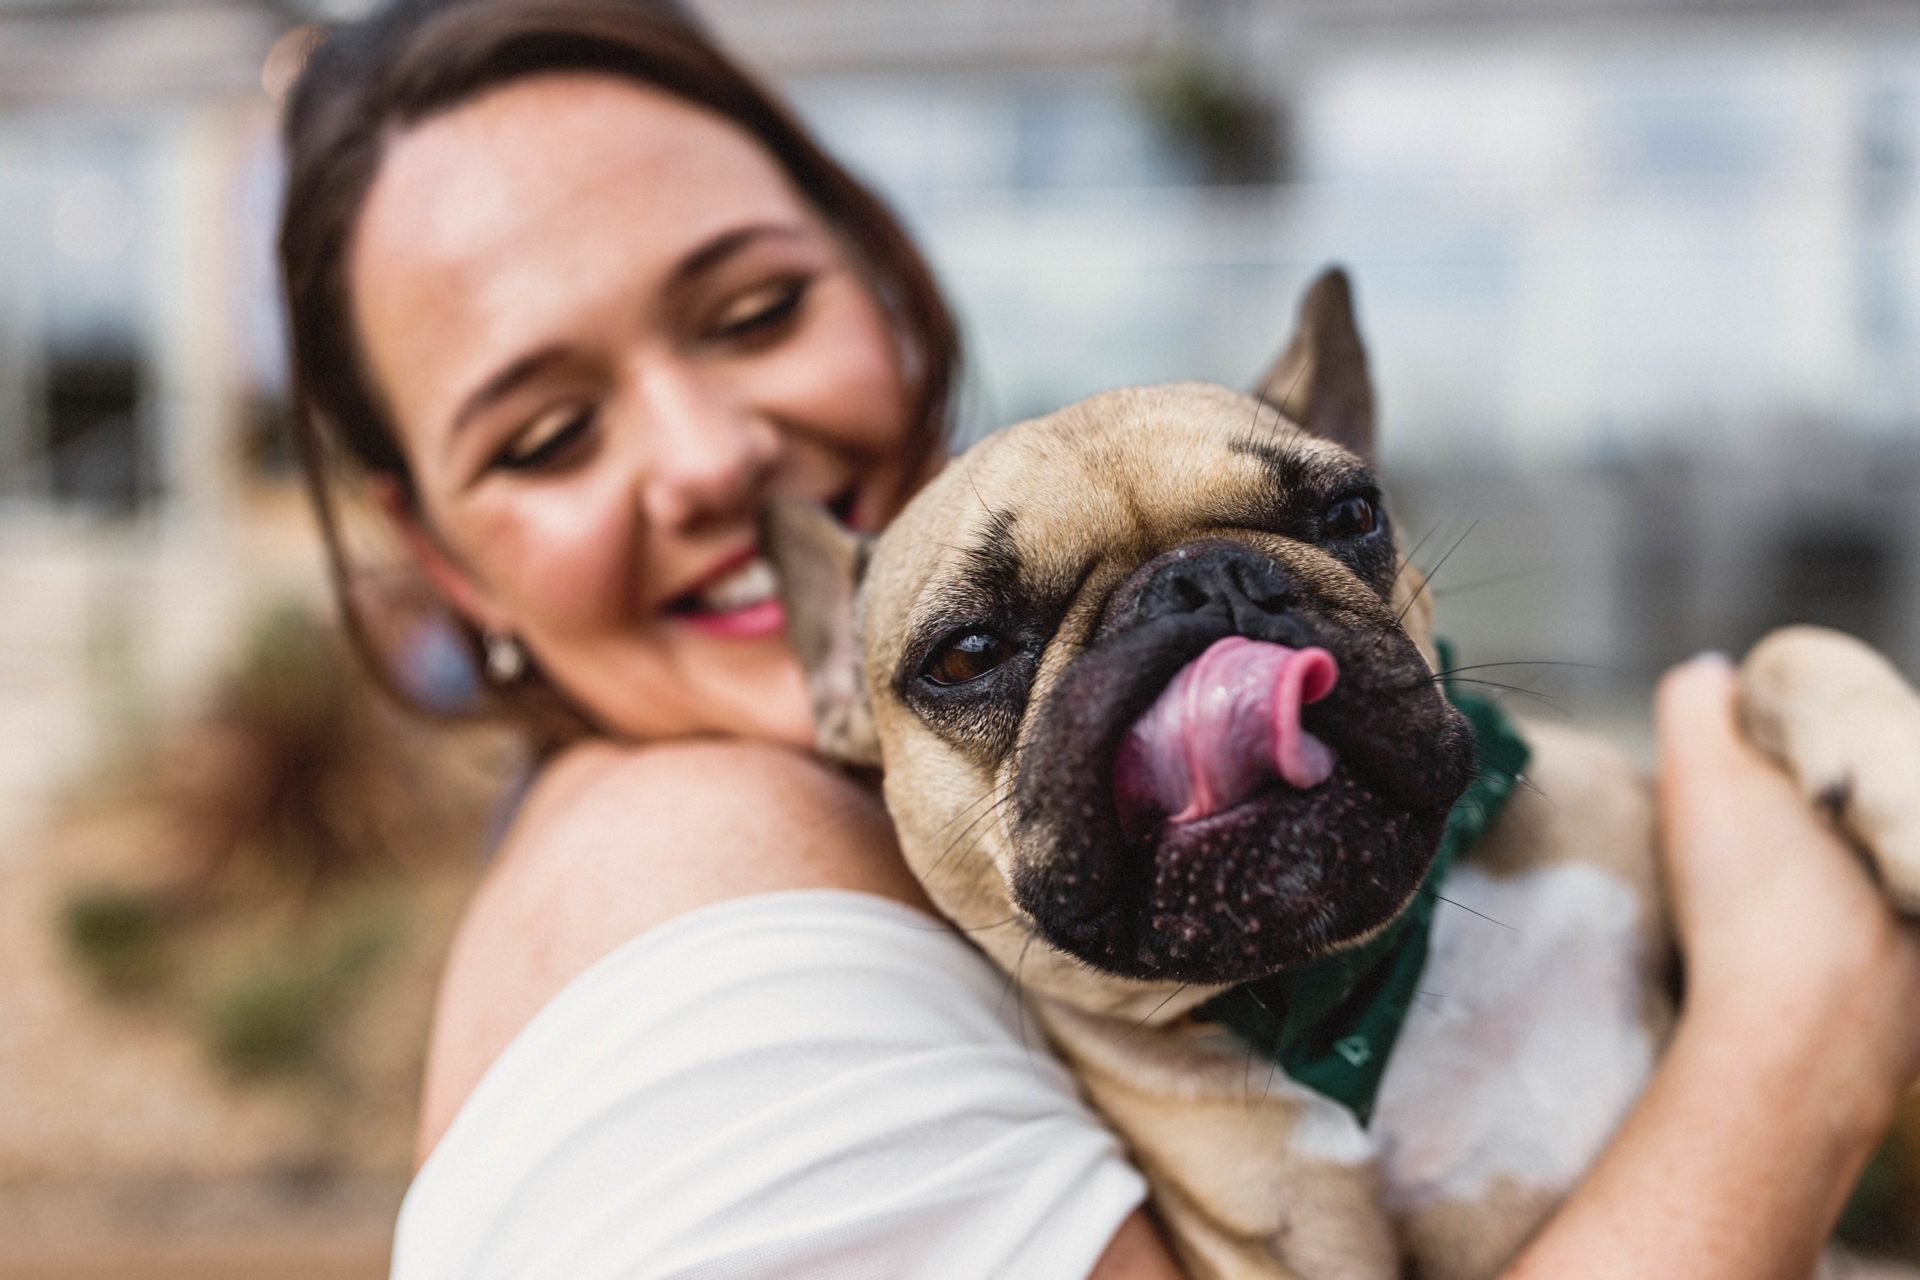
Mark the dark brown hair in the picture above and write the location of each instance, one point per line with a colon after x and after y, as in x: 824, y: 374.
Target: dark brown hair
x: 415, y: 58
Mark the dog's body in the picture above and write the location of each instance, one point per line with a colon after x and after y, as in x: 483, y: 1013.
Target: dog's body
x: 1081, y: 801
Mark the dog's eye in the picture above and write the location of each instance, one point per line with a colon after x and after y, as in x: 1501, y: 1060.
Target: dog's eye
x: 967, y: 657
x: 1349, y: 518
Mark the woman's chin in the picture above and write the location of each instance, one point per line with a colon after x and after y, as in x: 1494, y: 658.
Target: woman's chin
x: 764, y: 698
x: 778, y: 710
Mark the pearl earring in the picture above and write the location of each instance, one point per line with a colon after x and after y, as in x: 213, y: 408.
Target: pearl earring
x: 506, y: 659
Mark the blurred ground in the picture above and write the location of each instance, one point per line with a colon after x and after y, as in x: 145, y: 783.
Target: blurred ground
x: 120, y: 1134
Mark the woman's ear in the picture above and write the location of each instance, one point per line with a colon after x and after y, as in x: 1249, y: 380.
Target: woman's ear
x: 449, y: 580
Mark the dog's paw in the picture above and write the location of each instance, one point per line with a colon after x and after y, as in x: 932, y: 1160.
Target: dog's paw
x: 1847, y: 727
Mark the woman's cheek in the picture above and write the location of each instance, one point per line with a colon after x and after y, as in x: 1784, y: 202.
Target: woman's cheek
x: 847, y: 374
x: 564, y: 556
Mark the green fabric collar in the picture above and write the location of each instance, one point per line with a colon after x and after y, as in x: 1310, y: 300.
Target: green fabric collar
x: 1331, y: 1023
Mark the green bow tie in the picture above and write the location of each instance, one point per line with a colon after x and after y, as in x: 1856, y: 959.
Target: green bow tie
x: 1331, y: 1023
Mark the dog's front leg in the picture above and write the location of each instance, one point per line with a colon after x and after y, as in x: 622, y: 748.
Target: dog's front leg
x: 1254, y: 1178
x: 1847, y: 727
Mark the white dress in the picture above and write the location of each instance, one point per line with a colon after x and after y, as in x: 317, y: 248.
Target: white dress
x: 792, y: 1085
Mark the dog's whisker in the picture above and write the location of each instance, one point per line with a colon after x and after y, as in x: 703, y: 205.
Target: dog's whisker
x: 1273, y: 1067
x: 1552, y: 700
x: 1157, y: 1008
x: 984, y: 796
x: 1427, y: 578
x: 955, y: 926
x: 1407, y: 559
x: 1521, y: 779
x: 1527, y: 662
x: 1273, y: 1064
x: 1441, y: 897
x: 954, y: 844
x: 1020, y: 995
x: 982, y: 928
x: 973, y: 846
x: 1513, y: 688
x: 1265, y: 400
x: 968, y: 830
x: 1013, y: 974
x: 1491, y: 580
x: 974, y: 484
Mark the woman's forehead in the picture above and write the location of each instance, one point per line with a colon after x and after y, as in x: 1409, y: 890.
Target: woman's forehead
x: 521, y: 152
x: 533, y: 206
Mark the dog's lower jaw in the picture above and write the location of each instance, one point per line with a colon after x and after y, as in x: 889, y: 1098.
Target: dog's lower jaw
x: 1265, y: 886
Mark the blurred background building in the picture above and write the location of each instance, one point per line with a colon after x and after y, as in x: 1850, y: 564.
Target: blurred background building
x: 1641, y: 279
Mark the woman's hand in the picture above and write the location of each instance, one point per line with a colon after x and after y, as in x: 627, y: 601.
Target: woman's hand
x: 1796, y: 1036
x: 1788, y: 943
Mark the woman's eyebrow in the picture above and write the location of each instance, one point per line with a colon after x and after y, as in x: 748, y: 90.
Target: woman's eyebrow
x: 703, y: 258
x: 503, y: 383
x: 723, y: 246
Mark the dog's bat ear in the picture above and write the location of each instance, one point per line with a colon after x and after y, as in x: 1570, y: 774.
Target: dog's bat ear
x: 1320, y: 381
x: 819, y: 563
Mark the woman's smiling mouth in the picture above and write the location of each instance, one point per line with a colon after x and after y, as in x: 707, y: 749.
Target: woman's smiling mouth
x: 741, y: 600
x: 741, y: 597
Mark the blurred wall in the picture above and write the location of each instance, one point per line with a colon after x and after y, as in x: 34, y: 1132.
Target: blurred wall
x: 1641, y: 279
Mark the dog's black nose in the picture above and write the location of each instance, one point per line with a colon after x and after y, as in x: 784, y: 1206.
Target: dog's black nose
x: 1245, y: 589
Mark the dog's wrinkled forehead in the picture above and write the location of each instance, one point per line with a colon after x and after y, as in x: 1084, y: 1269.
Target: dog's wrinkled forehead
x: 1014, y: 528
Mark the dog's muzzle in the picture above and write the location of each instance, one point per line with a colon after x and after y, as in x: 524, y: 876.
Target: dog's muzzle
x: 1224, y: 783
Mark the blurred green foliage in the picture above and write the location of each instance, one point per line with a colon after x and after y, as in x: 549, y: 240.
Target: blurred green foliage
x: 118, y: 937
x: 1205, y: 113
x: 263, y: 897
x: 275, y: 1017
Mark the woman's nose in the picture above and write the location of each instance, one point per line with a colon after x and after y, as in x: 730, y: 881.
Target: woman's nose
x: 710, y: 453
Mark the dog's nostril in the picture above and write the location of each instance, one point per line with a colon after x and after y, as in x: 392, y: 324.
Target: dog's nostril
x: 1262, y: 586
x: 1230, y: 580
x: 1188, y: 594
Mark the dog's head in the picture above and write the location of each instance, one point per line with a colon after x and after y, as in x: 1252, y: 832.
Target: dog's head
x: 1149, y: 681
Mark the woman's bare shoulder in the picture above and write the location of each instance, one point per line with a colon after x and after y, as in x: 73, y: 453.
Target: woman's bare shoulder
x: 613, y: 840
x: 704, y: 821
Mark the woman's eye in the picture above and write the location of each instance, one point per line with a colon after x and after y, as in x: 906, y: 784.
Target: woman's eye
x: 1349, y: 518
x: 967, y: 657
x: 761, y: 312
x: 547, y: 442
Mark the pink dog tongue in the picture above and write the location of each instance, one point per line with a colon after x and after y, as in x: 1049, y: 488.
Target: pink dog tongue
x: 1229, y: 722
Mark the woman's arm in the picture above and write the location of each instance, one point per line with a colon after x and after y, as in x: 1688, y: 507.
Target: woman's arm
x: 1797, y: 1036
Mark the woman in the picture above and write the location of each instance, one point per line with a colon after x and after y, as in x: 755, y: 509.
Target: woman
x: 578, y: 298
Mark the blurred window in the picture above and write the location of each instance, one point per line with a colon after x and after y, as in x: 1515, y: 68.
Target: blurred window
x: 80, y: 401
x: 923, y: 136
x: 96, y: 452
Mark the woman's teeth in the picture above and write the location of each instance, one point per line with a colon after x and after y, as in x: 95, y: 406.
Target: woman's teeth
x: 752, y: 583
